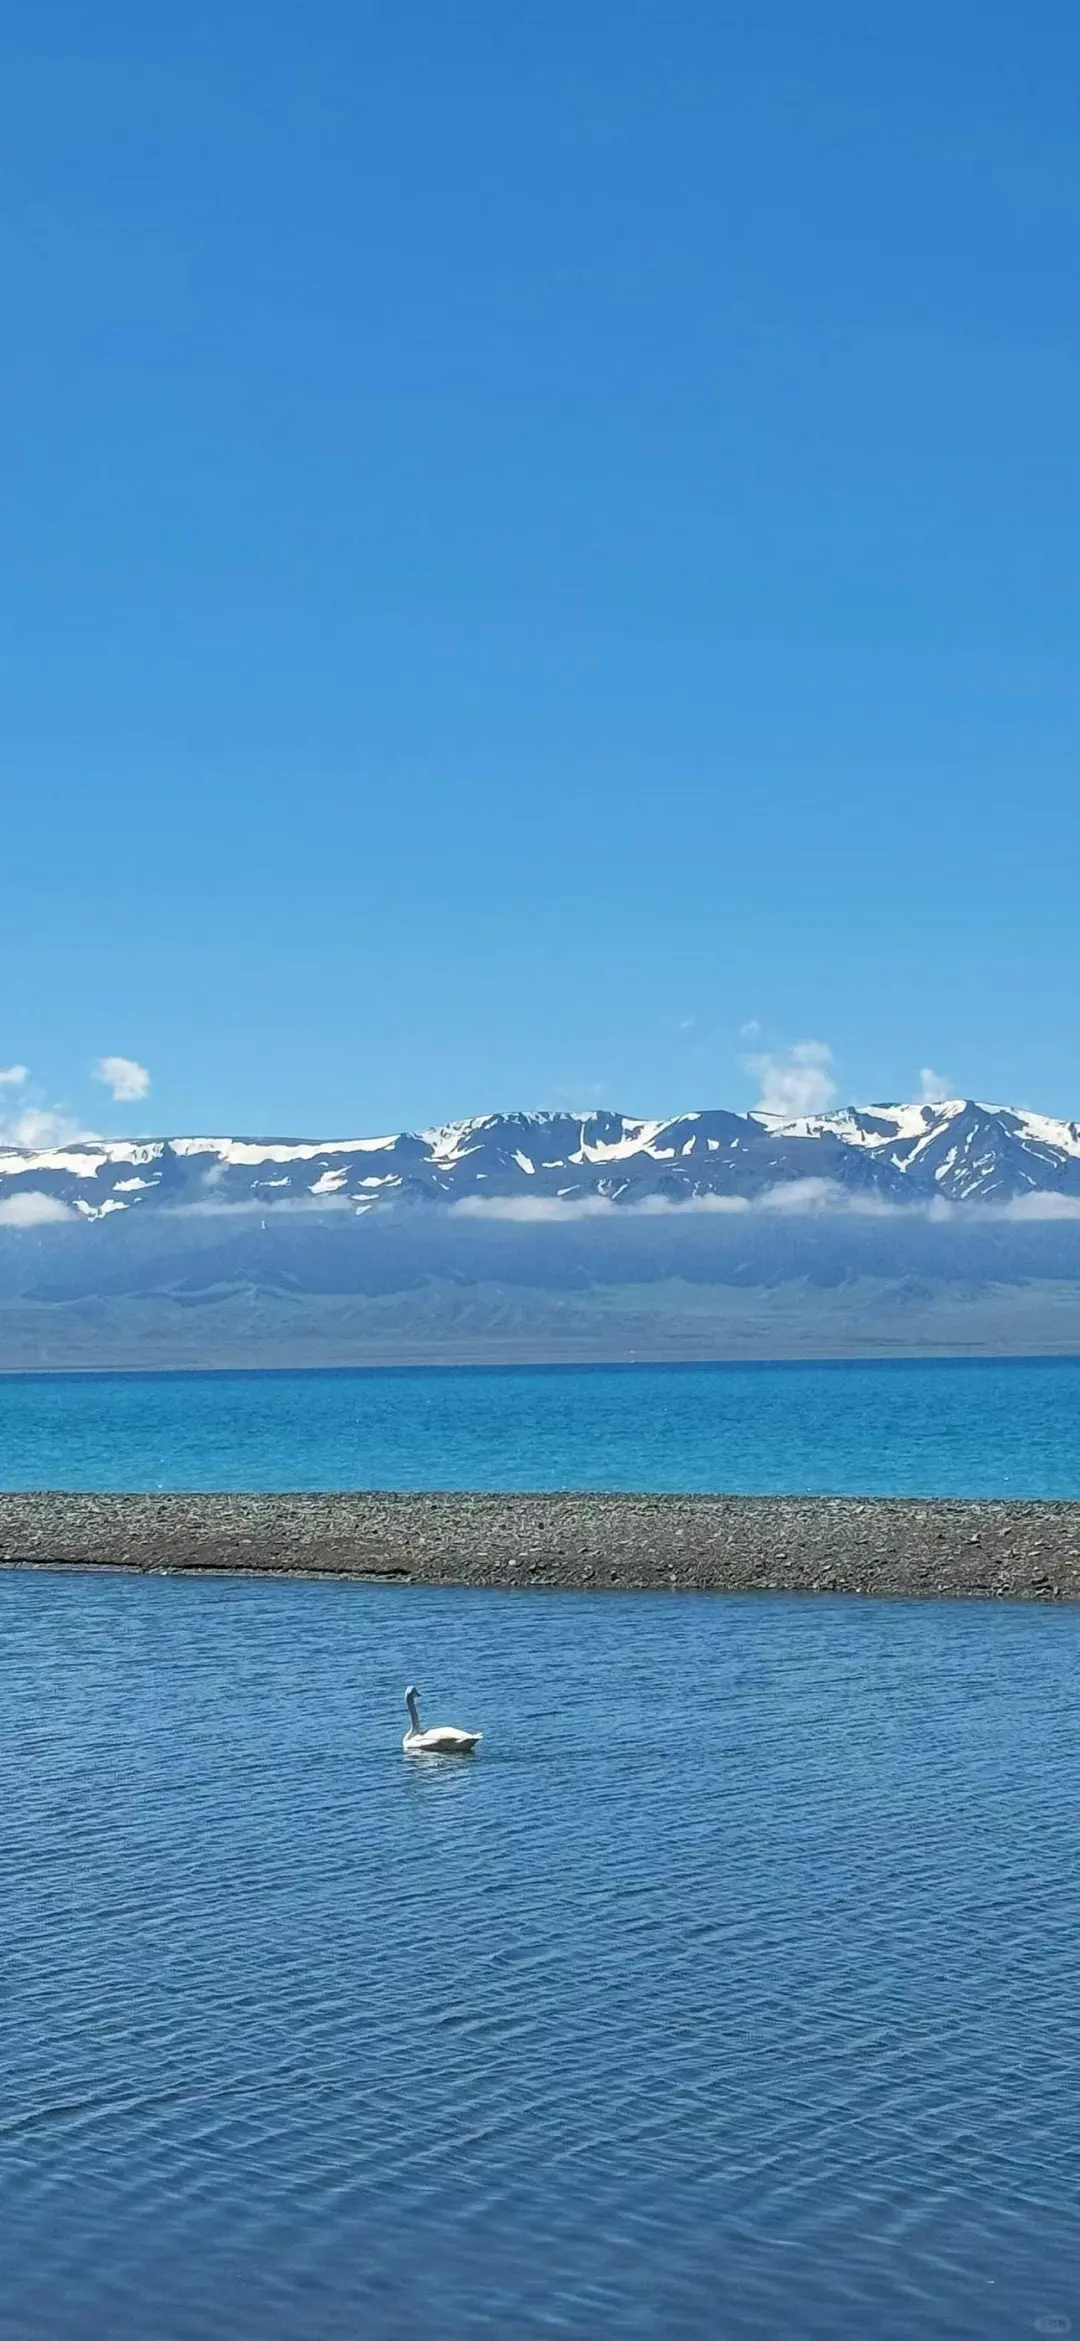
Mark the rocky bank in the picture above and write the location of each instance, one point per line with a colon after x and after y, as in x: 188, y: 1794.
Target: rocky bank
x: 599, y: 1543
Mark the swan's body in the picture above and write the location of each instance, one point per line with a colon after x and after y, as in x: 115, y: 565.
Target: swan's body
x: 443, y: 1739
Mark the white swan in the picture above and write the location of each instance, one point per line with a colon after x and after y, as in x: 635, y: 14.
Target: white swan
x: 444, y: 1739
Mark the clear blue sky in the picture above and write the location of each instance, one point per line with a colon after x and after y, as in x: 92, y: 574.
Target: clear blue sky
x: 535, y: 537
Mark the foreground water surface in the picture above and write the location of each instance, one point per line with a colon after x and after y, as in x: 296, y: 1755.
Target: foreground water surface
x: 913, y: 1428
x: 730, y: 1990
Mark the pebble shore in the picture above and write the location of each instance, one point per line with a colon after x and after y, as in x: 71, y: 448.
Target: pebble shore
x: 898, y: 1546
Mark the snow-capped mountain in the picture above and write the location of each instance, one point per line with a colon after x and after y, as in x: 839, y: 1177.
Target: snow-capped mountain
x: 960, y: 1150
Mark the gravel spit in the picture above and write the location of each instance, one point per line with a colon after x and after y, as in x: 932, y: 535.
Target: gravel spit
x: 901, y: 1546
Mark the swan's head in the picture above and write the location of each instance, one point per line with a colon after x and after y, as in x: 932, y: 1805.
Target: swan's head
x: 411, y: 1692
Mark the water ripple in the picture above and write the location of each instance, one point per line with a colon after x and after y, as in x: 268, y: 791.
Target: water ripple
x: 760, y: 2022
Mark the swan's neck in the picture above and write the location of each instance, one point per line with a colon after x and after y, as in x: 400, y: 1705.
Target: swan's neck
x: 414, y: 1710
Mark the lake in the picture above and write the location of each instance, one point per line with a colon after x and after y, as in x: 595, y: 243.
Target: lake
x: 910, y: 1428
x: 729, y: 1990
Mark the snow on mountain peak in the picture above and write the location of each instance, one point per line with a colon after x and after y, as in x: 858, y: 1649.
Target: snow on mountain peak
x: 959, y: 1148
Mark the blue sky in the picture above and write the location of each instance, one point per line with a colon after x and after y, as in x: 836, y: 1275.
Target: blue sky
x: 536, y: 540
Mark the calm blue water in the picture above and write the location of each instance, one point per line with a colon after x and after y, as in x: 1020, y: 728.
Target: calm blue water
x: 998, y: 1429
x: 730, y: 1991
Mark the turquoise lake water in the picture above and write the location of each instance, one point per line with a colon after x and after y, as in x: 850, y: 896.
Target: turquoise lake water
x: 730, y: 1991
x: 952, y: 1429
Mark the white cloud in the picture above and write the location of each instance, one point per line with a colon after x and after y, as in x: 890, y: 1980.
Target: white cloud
x: 934, y: 1087
x: 127, y: 1080
x: 34, y: 1126
x: 33, y: 1210
x: 791, y: 1198
x: 1041, y: 1207
x: 40, y: 1127
x: 796, y: 1196
x: 807, y: 1195
x: 795, y: 1081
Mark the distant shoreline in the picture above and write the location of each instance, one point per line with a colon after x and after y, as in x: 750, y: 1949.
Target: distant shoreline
x: 901, y: 1547
x: 509, y: 1364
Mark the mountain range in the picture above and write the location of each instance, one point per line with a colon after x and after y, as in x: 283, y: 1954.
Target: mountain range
x: 892, y: 1230
x: 958, y: 1151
